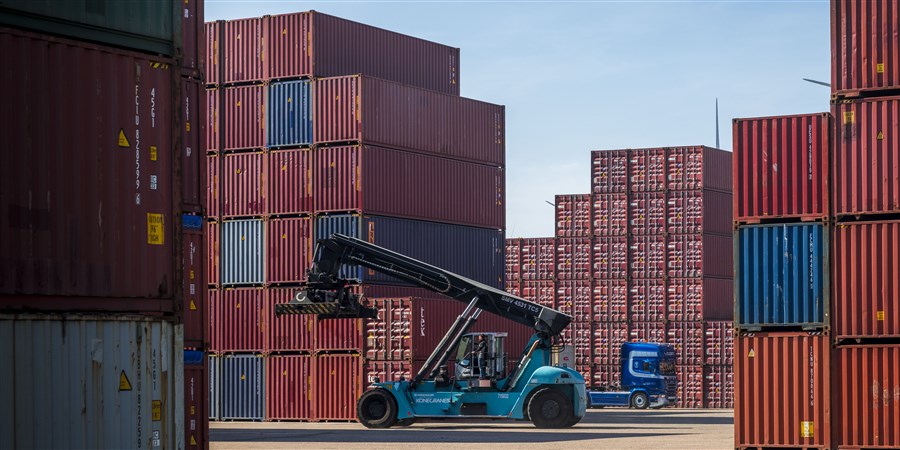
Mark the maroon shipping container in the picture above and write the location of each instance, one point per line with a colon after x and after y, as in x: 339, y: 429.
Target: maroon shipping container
x: 512, y: 287
x: 866, y: 279
x: 289, y: 249
x: 866, y: 164
x: 578, y: 294
x: 866, y: 413
x: 781, y: 167
x: 244, y: 122
x: 244, y: 180
x: 580, y: 335
x: 513, y: 261
x: 89, y: 219
x: 336, y: 384
x: 193, y: 58
x: 610, y: 215
x: 699, y: 255
x: 243, y: 50
x: 213, y: 98
x: 719, y: 386
x: 193, y: 154
x: 608, y: 340
x: 699, y: 167
x: 339, y: 335
x: 647, y: 170
x: 609, y: 171
x: 647, y: 300
x: 541, y: 292
x: 864, y: 54
x: 389, y: 336
x: 688, y: 339
x: 610, y: 300
x: 647, y: 256
x: 288, y: 333
x: 212, y: 253
x: 573, y: 258
x: 212, y: 186
x: 694, y: 299
x: 389, y: 370
x: 237, y: 320
x: 782, y: 390
x: 378, y: 112
x: 289, y: 176
x: 719, y: 342
x: 573, y: 216
x: 699, y: 211
x: 196, y: 404
x: 606, y: 375
x: 538, y: 259
x: 648, y: 332
x: 647, y: 212
x: 288, y: 387
x: 194, y: 313
x: 422, y: 187
x: 611, y: 257
x: 314, y: 44
x: 690, y: 386
x: 213, y: 31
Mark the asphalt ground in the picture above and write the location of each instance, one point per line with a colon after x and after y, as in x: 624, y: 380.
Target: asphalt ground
x: 688, y: 429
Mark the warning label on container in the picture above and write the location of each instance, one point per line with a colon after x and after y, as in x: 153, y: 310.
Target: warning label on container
x: 849, y: 117
x: 879, y: 68
x: 123, y: 141
x: 153, y: 153
x: 880, y: 135
x: 193, y: 441
x: 807, y: 429
x: 124, y: 384
x: 751, y: 354
x: 879, y: 315
x: 155, y: 229
x: 193, y: 305
x: 156, y: 412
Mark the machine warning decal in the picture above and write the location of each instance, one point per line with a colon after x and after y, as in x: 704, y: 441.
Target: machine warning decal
x: 124, y: 384
x: 155, y: 230
x: 123, y: 141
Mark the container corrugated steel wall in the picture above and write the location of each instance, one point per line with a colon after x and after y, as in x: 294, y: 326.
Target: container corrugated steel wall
x: 339, y: 335
x: 212, y: 251
x: 574, y: 259
x: 688, y: 339
x: 289, y: 249
x: 245, y: 190
x: 718, y: 387
x: 378, y: 112
x: 538, y: 259
x: 194, y: 315
x: 212, y: 119
x: 574, y: 216
x: 699, y: 255
x: 609, y: 171
x: 647, y: 214
x: 610, y: 300
x: 789, y: 404
x: 193, y: 59
x: 690, y: 386
x: 608, y: 340
x: 238, y: 320
x: 866, y: 279
x: 241, y: 250
x: 610, y: 215
x: 196, y: 399
x: 513, y: 261
x: 719, y: 342
x: 245, y: 110
x: 699, y: 167
x: 336, y: 385
x: 648, y: 300
x: 699, y: 211
x: 866, y: 413
x: 288, y: 44
x: 212, y: 186
x: 215, y: 388
x: 214, y: 33
x: 782, y: 276
x: 66, y: 376
x: 579, y: 294
x: 781, y: 167
x: 647, y: 332
x: 422, y: 187
x: 611, y: 257
x: 866, y: 162
x: 864, y: 46
x: 193, y: 153
x: 647, y: 256
x: 288, y: 387
x: 289, y: 114
x: 243, y: 393
x: 290, y: 185
x: 243, y: 50
x: 697, y: 299
x: 647, y: 170
x: 287, y: 333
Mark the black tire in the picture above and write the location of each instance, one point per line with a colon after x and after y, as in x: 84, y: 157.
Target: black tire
x: 549, y: 408
x: 640, y: 401
x: 377, y: 409
x: 573, y: 421
x: 406, y: 422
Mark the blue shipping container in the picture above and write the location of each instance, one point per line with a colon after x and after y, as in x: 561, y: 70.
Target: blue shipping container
x: 215, y: 398
x: 476, y: 253
x: 241, y: 251
x: 242, y: 387
x: 289, y: 116
x: 781, y: 276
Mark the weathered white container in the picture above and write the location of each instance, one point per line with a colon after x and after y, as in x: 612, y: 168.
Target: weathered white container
x: 91, y: 381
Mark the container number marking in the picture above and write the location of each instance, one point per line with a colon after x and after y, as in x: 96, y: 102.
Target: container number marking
x: 155, y: 230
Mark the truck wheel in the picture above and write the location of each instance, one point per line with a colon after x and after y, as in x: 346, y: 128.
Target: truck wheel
x: 377, y: 409
x: 406, y: 422
x: 573, y: 421
x: 549, y: 408
x: 640, y: 401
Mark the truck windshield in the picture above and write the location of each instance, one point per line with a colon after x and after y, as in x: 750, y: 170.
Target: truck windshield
x: 667, y: 367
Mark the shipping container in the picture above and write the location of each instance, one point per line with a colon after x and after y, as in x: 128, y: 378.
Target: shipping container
x: 610, y: 300
x: 719, y: 342
x: 289, y: 249
x: 610, y: 215
x: 782, y: 390
x: 699, y: 211
x: 647, y: 170
x: 512, y: 287
x: 690, y: 386
x: 864, y: 57
x: 513, y: 261
x: 243, y: 50
x: 196, y: 400
x: 695, y: 299
x: 212, y: 253
x: 647, y: 256
x: 866, y: 280
x: 339, y: 335
x: 214, y: 32
x: 380, y: 371
x: 611, y: 257
x: 699, y: 255
x: 237, y: 320
x: 606, y: 375
x: 579, y: 294
x: 542, y: 292
x: 422, y: 187
x: 241, y: 252
x: 866, y: 164
x: 580, y: 335
x: 475, y: 253
x: 866, y: 413
x: 212, y: 131
x: 574, y: 259
x: 647, y: 214
x: 244, y: 185
x: 648, y: 332
x: 193, y: 153
x: 538, y: 258
x: 378, y: 112
x: 336, y: 385
x: 289, y: 114
x: 289, y: 175
x: 688, y: 339
x: 574, y: 216
x: 718, y: 386
x: 215, y: 387
x: 194, y: 258
x: 287, y: 387
x: 698, y: 168
x: 781, y: 278
x: 309, y: 44
x: 243, y: 387
x: 66, y: 375
x: 193, y: 59
x: 244, y: 108
x: 609, y: 172
x: 287, y: 333
x: 213, y: 187
x: 647, y: 300
x: 781, y: 167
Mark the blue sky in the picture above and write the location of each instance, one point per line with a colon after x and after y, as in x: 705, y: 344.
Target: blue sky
x: 579, y: 76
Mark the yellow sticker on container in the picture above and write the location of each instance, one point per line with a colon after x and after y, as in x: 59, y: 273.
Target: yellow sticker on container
x: 191, y: 274
x: 193, y: 441
x: 156, y: 410
x: 123, y: 141
x: 193, y: 305
x: 124, y: 384
x: 880, y: 135
x: 153, y: 153
x: 879, y: 68
x: 751, y: 354
x: 849, y: 117
x: 187, y: 127
x: 807, y: 430
x: 879, y: 315
x: 155, y: 229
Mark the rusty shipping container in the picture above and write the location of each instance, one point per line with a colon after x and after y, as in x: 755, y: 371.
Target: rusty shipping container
x: 782, y: 390
x: 287, y: 387
x: 236, y: 320
x: 289, y: 249
x: 866, y: 280
x: 866, y: 412
x: 695, y: 299
x: 244, y: 108
x: 609, y: 172
x: 864, y: 58
x: 244, y: 187
x: 661, y: 168
x: 866, y: 164
x: 647, y: 332
x: 699, y: 211
x: 289, y: 185
x: 336, y: 384
x: 243, y: 50
x: 377, y: 112
x: 288, y: 333
x: 573, y: 216
x: 422, y: 187
x: 610, y: 215
x: 781, y: 167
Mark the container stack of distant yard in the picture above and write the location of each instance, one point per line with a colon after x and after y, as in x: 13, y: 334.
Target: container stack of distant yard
x: 102, y: 249
x: 319, y: 125
x: 646, y: 256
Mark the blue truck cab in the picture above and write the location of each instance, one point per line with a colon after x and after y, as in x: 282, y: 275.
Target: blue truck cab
x: 648, y: 378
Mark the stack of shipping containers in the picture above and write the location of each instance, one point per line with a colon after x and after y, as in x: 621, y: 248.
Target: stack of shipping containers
x: 311, y: 134
x: 102, y: 247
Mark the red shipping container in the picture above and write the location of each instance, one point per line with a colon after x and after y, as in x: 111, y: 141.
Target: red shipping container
x: 866, y: 279
x: 290, y: 182
x: 719, y: 386
x: 212, y: 252
x: 695, y: 299
x: 237, y: 319
x: 336, y: 384
x: 512, y: 287
x: 719, y: 345
x: 212, y: 186
x: 193, y: 39
x: 607, y: 375
x: 245, y: 190
x: 706, y: 211
x: 513, y: 262
x: 538, y: 259
x: 422, y: 187
x: 608, y: 340
x: 311, y: 44
x: 288, y: 387
x: 647, y: 300
x: 389, y: 370
x: 196, y: 404
x: 245, y: 112
x: 647, y: 170
x: 690, y: 386
x: 540, y: 292
x: 782, y: 390
x: 378, y: 112
x: 648, y: 332
x: 647, y: 256
x: 586, y: 371
x: 610, y: 215
x: 213, y: 32
x: 194, y: 256
x: 243, y: 50
x: 573, y: 216
x: 611, y: 258
x: 866, y: 164
x: 288, y: 333
x: 610, y: 300
x: 698, y: 168
x: 213, y: 100
x: 648, y: 213
x: 781, y: 167
x: 867, y: 404
x: 389, y: 336
x: 573, y: 258
x: 339, y: 335
x: 864, y: 55
x: 688, y: 339
x: 289, y: 249
x: 193, y: 154
x: 700, y: 255
x: 609, y: 171
x: 581, y: 337
x: 578, y: 293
